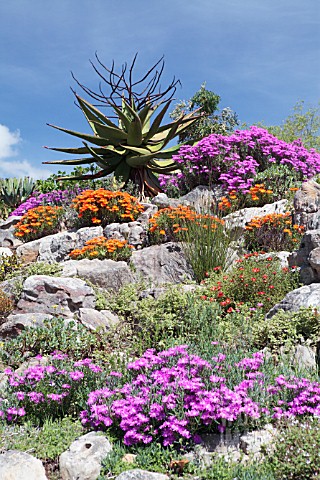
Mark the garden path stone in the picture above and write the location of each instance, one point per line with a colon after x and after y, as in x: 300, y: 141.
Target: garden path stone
x: 107, y: 274
x: 306, y: 296
x: 160, y: 264
x: 15, y: 465
x: 55, y: 295
x: 138, y: 474
x: 94, y: 319
x: 82, y: 461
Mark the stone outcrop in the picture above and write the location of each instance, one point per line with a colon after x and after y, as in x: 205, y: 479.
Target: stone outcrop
x: 306, y: 296
x: 138, y: 474
x: 94, y: 319
x: 134, y: 232
x: 307, y: 205
x: 15, y: 465
x: 107, y: 274
x: 82, y: 461
x: 161, y: 264
x: 14, y: 323
x: 55, y: 295
x: 308, y: 257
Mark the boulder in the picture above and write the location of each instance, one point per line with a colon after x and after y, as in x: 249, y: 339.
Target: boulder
x: 94, y: 319
x: 202, y: 198
x: 107, y: 274
x: 55, y: 295
x: 10, y: 222
x: 308, y: 257
x: 82, y: 461
x: 306, y: 204
x: 133, y: 232
x: 138, y: 474
x: 14, y: 323
x: 5, y: 252
x: 11, y: 287
x: 149, y: 210
x: 305, y: 357
x: 306, y: 296
x: 238, y: 220
x: 28, y: 252
x: 15, y: 465
x: 7, y: 237
x: 161, y: 264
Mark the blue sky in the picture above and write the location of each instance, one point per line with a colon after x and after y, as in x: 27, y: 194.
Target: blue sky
x: 260, y: 56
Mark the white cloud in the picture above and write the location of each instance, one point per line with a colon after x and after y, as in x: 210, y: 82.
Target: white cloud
x: 22, y: 169
x: 8, y: 140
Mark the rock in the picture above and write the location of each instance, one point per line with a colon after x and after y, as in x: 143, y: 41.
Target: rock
x: 129, y: 458
x: 305, y: 357
x: 11, y: 287
x: 107, y: 274
x: 10, y: 222
x: 149, y: 210
x: 161, y: 264
x: 82, y: 461
x: 307, y: 205
x: 87, y: 233
x: 94, y: 319
x: 5, y: 252
x: 252, y: 442
x: 54, y: 248
x: 282, y: 256
x: 133, y: 232
x: 16, y: 322
x: 28, y: 252
x: 7, y: 239
x: 16, y: 465
x: 239, y: 219
x: 55, y: 295
x: 138, y: 474
x: 306, y: 296
x: 163, y: 201
x: 308, y: 257
x: 202, y: 198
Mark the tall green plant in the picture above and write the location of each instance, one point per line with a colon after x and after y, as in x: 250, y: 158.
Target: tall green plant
x: 14, y: 191
x: 133, y: 148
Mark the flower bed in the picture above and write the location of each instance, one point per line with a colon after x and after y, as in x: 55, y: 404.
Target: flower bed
x: 102, y: 248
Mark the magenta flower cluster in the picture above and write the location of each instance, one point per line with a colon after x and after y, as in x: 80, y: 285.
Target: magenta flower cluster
x: 56, y: 197
x: 234, y: 160
x: 51, y: 389
x: 165, y: 396
x: 175, y: 394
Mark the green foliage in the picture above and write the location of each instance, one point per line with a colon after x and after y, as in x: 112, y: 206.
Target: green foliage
x: 6, y: 305
x: 295, y: 454
x: 205, y: 247
x: 14, y: 191
x: 154, y: 458
x: 222, y: 470
x: 46, y: 442
x: 280, y: 179
x: 9, y: 266
x: 210, y: 120
x: 75, y: 340
x: 287, y: 329
x: 258, y: 283
x: 301, y: 124
x: 134, y: 148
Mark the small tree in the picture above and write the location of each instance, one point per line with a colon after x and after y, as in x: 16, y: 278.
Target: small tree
x: 210, y: 121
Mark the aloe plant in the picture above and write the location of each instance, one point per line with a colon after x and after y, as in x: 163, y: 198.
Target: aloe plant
x: 14, y: 191
x: 136, y: 146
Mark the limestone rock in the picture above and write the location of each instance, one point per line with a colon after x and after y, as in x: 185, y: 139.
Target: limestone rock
x: 252, y: 442
x: 10, y: 222
x: 307, y: 205
x: 82, y: 461
x: 55, y: 295
x: 94, y: 319
x: 5, y: 252
x: 308, y: 257
x: 107, y: 274
x: 306, y: 296
x: 149, y: 210
x: 15, y: 465
x: 161, y: 264
x: 202, y: 198
x: 8, y: 239
x: 14, y: 323
x: 28, y: 252
x: 305, y: 357
x: 138, y: 474
x: 133, y: 232
x: 239, y: 219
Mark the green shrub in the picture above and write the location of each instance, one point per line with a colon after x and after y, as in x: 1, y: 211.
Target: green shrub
x: 6, y: 305
x: 259, y: 283
x: 287, y: 329
x: 295, y: 454
x: 9, y: 265
x: 76, y: 342
x: 279, y: 178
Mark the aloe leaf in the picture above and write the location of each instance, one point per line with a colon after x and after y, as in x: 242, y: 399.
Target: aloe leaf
x: 122, y: 171
x: 110, y: 134
x: 142, y: 151
x: 79, y: 161
x: 135, y: 132
x: 139, y: 160
x: 112, y: 159
x: 101, y: 174
x: 89, y: 138
x: 152, y: 182
x: 157, y: 121
x: 98, y: 115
